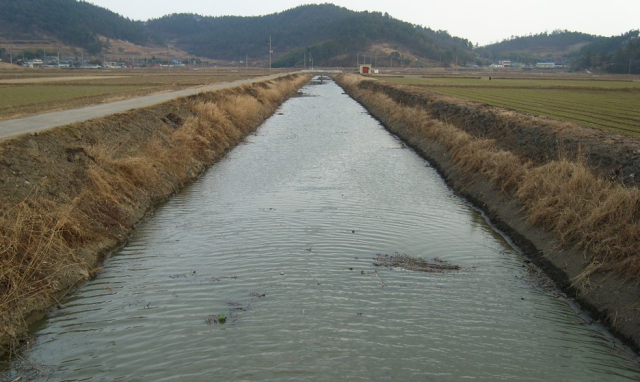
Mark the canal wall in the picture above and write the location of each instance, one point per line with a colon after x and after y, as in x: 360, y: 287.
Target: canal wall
x: 568, y: 196
x: 71, y: 195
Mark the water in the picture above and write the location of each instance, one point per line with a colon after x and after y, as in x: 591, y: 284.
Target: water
x: 280, y: 237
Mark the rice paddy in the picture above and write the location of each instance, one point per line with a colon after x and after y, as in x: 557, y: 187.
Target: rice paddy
x: 605, y: 104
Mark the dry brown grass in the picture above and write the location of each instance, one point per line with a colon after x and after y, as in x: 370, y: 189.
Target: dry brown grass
x: 48, y: 244
x: 584, y: 211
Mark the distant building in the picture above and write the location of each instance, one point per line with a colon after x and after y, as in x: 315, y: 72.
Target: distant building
x: 113, y: 65
x: 36, y: 63
x: 546, y: 65
x: 505, y: 64
x: 365, y: 69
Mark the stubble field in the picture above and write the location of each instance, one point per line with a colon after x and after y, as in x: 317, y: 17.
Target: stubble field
x: 33, y: 91
x: 610, y: 104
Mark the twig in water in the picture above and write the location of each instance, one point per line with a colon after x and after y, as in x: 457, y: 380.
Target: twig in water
x: 379, y: 279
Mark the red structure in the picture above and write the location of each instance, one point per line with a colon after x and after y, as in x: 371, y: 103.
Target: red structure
x: 365, y: 69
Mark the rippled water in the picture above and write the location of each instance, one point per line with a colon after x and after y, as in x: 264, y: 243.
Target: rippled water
x: 280, y: 237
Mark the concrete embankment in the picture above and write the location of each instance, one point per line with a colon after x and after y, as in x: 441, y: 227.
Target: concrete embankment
x: 567, y: 195
x: 71, y: 195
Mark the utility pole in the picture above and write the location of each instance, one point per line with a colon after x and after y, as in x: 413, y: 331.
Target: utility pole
x: 11, y: 57
x: 630, y: 66
x: 270, y: 54
x: 304, y: 61
x: 246, y: 61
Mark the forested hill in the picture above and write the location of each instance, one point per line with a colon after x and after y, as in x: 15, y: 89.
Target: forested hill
x: 328, y: 34
x: 558, y: 46
x: 617, y: 54
x: 332, y: 35
x: 580, y: 51
x: 76, y: 23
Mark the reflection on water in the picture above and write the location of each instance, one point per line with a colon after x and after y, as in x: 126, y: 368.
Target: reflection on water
x: 280, y: 237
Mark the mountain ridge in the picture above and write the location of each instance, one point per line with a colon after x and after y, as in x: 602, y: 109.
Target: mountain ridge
x: 322, y: 34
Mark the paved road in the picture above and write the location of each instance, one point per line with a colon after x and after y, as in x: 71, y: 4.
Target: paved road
x: 15, y: 127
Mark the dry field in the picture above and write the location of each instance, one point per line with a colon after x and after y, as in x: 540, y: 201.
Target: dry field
x: 608, y: 103
x: 27, y: 92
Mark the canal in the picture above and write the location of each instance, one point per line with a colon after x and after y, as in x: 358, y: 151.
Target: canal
x: 263, y: 270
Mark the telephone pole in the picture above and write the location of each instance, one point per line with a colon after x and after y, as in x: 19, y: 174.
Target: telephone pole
x: 270, y: 54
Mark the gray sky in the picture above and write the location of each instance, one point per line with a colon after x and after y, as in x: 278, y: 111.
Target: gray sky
x: 480, y: 21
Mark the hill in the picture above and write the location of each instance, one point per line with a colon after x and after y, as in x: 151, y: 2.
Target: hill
x: 328, y: 34
x: 617, y: 54
x: 558, y: 46
x: 331, y: 35
x: 75, y: 23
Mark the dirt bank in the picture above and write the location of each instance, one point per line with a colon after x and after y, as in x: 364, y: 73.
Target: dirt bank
x: 567, y: 195
x: 71, y: 195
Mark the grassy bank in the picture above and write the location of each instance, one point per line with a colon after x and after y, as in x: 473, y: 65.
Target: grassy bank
x: 73, y: 194
x: 594, y: 220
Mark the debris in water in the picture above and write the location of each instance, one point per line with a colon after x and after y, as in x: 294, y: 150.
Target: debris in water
x: 414, y: 263
x: 219, y: 319
x: 258, y: 295
x: 216, y: 279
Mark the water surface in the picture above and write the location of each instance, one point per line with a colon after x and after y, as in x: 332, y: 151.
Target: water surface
x: 280, y: 237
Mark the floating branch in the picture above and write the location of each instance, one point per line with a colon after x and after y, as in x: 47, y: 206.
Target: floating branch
x: 414, y: 263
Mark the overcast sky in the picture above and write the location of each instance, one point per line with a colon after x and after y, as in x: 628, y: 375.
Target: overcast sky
x: 480, y: 21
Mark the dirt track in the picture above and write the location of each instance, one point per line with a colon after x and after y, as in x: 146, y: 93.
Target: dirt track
x: 42, y: 122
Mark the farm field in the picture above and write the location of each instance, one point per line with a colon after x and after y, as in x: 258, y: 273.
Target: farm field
x: 28, y: 92
x: 606, y: 104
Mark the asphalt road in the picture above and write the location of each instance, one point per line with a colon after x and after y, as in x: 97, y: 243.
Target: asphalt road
x: 14, y: 127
